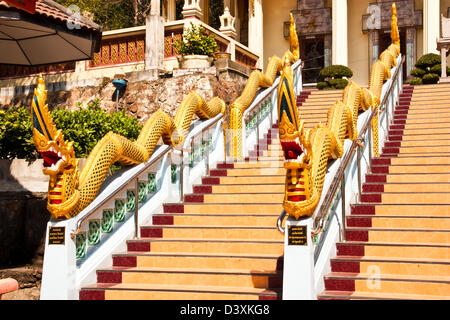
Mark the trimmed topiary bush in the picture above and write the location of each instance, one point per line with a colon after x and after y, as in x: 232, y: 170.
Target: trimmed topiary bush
x: 428, y: 70
x: 416, y: 82
x: 430, y: 78
x: 336, y: 72
x: 333, y: 77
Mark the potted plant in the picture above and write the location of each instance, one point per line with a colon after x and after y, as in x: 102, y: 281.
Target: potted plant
x: 196, y: 48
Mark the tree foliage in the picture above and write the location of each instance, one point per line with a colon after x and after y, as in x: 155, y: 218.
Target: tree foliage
x: 115, y: 14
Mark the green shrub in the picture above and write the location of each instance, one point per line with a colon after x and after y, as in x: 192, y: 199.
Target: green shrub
x: 430, y: 78
x: 416, y: 81
x: 428, y: 69
x: 322, y: 85
x: 16, y: 136
x: 332, y: 77
x: 437, y: 69
x: 336, y: 72
x: 196, y: 42
x: 85, y: 127
x: 426, y: 62
x: 417, y: 72
x: 338, y: 83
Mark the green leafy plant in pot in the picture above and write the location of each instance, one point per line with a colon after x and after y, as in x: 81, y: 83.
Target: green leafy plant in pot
x: 197, y: 48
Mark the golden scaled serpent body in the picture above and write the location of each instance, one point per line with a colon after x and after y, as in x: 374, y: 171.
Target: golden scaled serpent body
x: 256, y: 81
x: 71, y: 190
x: 307, y: 152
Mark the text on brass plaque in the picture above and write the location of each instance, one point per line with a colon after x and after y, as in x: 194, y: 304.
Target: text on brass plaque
x: 56, y: 235
x: 297, y: 236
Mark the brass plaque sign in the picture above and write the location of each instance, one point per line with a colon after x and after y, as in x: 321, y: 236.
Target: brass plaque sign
x: 56, y: 235
x: 297, y: 236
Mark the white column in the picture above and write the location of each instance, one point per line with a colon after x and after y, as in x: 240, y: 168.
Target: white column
x: 171, y: 10
x: 431, y: 21
x: 255, y: 30
x: 154, y: 39
x: 340, y: 33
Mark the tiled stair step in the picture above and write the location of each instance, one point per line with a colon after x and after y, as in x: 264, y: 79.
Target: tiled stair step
x: 418, y: 160
x: 174, y: 292
x: 437, y: 96
x: 210, y: 232
x: 412, y: 168
x: 264, y: 171
x: 418, y: 149
x: 419, y: 236
x: 224, y: 208
x: 197, y: 245
x: 351, y: 295
x: 235, y: 197
x: 408, y: 178
x: 399, y: 222
x: 419, y: 137
x: 421, y: 110
x: 185, y: 219
x: 406, y: 197
x: 249, y: 165
x: 388, y: 284
x: 319, y: 103
x: 393, y: 153
x: 398, y: 250
x: 304, y: 110
x: 253, y: 180
x: 383, y: 209
x: 255, y: 261
x: 244, y: 188
x: 184, y: 276
x: 394, y: 266
x: 406, y: 187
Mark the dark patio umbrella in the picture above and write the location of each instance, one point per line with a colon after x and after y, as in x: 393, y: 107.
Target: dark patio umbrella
x: 53, y: 34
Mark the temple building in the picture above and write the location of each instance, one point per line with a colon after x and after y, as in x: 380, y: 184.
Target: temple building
x: 347, y: 32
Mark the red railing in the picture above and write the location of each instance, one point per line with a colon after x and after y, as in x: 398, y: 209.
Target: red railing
x: 170, y: 38
x: 119, y: 51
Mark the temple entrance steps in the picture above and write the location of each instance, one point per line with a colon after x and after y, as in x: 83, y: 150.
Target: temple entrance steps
x: 313, y: 105
x: 221, y: 242
x: 398, y: 237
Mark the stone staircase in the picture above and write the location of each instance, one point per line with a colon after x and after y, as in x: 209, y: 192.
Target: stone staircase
x: 222, y: 241
x: 398, y: 237
x: 313, y: 105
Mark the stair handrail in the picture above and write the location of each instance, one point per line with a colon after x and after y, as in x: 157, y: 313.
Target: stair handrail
x: 84, y: 216
x: 339, y: 178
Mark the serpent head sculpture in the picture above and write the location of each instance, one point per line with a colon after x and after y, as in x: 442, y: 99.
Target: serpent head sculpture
x: 306, y: 152
x: 60, y: 163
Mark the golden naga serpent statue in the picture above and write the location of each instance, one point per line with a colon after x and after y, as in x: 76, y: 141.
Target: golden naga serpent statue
x: 307, y: 152
x: 72, y: 190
